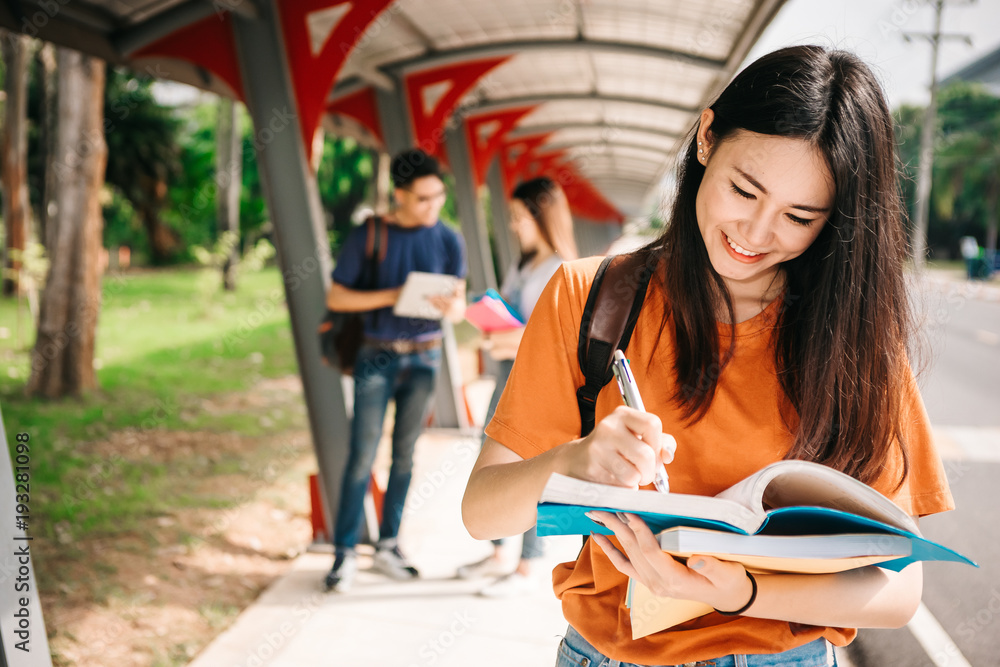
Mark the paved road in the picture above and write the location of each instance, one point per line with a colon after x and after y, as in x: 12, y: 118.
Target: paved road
x: 961, y: 389
x: 961, y: 329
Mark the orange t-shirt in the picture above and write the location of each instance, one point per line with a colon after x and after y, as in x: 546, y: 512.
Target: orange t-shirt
x: 742, y: 432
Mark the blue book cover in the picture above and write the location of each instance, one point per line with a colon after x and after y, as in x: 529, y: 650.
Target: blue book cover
x: 817, y: 500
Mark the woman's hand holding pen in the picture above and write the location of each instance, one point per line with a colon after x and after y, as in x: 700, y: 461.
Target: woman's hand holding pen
x: 721, y: 584
x: 624, y: 449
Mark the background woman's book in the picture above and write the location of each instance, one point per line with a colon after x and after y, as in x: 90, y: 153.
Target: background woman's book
x: 792, y: 516
x: 491, y: 312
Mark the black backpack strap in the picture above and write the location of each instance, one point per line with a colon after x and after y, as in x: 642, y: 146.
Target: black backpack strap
x: 609, y: 318
x: 375, y: 248
x: 376, y: 244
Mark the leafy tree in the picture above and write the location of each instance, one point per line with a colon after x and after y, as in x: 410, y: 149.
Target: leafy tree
x: 968, y: 159
x: 142, y: 155
x: 190, y: 205
x: 192, y: 197
x: 344, y: 179
x: 964, y: 188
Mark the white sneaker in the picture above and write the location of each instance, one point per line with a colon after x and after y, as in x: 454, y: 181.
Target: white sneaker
x: 481, y: 569
x: 341, y: 576
x: 511, y: 585
x: 392, y: 563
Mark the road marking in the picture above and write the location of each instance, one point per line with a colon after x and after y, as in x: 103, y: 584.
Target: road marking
x: 987, y: 337
x: 941, y: 648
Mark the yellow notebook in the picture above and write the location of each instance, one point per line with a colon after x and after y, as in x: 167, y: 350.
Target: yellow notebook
x: 650, y: 613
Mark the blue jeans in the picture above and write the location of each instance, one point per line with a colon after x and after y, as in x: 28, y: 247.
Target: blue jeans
x: 575, y: 651
x: 378, y: 376
x: 532, y: 546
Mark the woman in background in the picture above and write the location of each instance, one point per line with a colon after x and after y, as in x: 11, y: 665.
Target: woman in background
x: 540, y: 219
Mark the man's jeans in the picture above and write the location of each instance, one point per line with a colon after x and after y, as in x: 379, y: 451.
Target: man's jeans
x: 378, y: 376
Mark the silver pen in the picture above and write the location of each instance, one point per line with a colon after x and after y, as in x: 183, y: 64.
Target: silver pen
x: 630, y: 394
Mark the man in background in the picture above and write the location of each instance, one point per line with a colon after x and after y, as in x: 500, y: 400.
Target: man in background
x: 399, y: 359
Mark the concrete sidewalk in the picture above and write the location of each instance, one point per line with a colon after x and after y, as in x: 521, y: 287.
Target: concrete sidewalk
x: 435, y: 620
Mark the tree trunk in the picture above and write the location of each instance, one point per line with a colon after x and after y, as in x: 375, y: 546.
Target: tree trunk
x: 63, y: 359
x: 15, y: 158
x: 50, y: 124
x: 229, y: 182
x: 163, y: 241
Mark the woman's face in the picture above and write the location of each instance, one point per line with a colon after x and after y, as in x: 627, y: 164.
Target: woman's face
x: 763, y: 201
x: 523, y: 224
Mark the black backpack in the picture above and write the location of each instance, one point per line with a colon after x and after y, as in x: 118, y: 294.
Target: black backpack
x: 607, y: 323
x: 341, y: 334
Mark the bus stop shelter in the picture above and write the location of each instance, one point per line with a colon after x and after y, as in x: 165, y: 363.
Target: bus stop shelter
x: 596, y: 94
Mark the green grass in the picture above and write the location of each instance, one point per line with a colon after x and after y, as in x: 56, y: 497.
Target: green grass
x: 166, y: 340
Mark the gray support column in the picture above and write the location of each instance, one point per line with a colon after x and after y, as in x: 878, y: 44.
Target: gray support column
x: 594, y: 238
x: 393, y: 114
x: 482, y: 275
x: 303, y: 253
x: 506, y: 245
x: 20, y: 609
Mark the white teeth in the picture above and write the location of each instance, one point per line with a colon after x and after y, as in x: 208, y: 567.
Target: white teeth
x: 740, y: 249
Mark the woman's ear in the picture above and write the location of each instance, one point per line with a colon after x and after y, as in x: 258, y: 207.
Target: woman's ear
x: 704, y: 134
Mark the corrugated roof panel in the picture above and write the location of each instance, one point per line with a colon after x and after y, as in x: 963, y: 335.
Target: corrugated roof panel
x: 602, y: 135
x: 620, y: 184
x: 566, y: 112
x: 386, y: 40
x: 536, y: 74
x: 614, y: 114
x: 647, y: 115
x: 704, y: 28
x: 637, y: 76
x: 603, y: 165
x: 456, y: 23
x: 596, y: 162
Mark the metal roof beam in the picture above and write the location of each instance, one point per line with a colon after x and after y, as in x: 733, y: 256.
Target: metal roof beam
x: 377, y: 78
x: 603, y: 148
x: 611, y: 182
x: 500, y: 104
x: 496, y: 49
x: 619, y: 173
x: 73, y: 26
x: 131, y: 39
x: 353, y: 84
x: 22, y: 16
x: 625, y: 183
x: 523, y: 130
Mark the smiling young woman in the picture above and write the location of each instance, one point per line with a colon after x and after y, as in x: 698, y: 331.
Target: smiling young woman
x: 775, y: 327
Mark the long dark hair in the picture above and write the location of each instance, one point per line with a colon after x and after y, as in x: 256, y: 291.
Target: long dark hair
x: 547, y: 204
x: 844, y: 326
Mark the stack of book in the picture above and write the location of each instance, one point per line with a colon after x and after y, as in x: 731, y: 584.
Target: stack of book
x: 792, y: 516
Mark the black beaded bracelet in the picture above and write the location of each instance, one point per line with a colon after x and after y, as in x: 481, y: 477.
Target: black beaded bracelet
x: 753, y: 596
